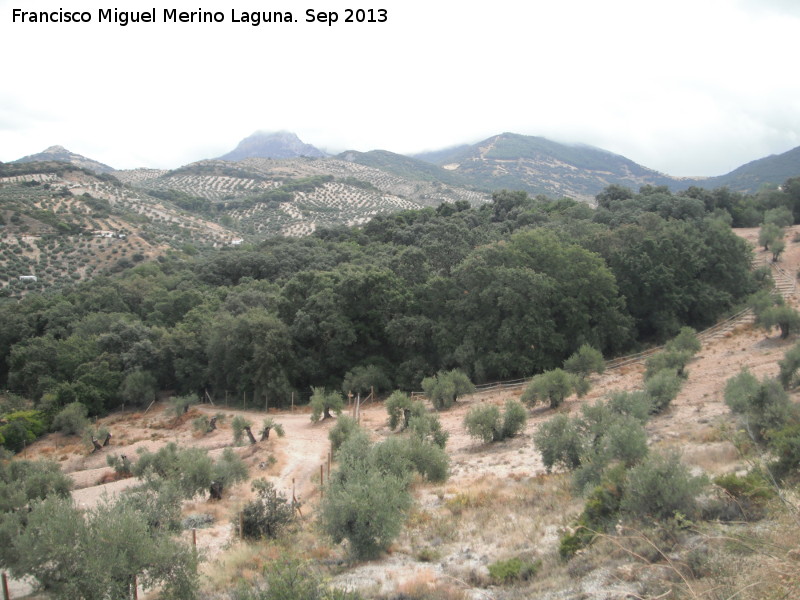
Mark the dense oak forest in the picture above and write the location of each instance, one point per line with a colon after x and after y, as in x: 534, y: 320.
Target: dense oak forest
x: 504, y: 290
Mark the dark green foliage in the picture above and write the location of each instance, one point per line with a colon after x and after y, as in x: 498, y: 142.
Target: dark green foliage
x: 785, y: 443
x: 21, y: 428
x: 552, y: 386
x: 513, y: 569
x: 747, y: 493
x: 323, y: 402
x: 400, y: 456
x: 784, y: 317
x: 139, y: 388
x: 514, y: 418
x: 444, y: 388
x: 740, y: 390
x: 660, y: 487
x: 267, y: 515
x: 364, y: 378
x: 599, y: 515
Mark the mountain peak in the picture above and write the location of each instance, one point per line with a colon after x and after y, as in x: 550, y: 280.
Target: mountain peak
x: 61, y: 154
x: 277, y: 144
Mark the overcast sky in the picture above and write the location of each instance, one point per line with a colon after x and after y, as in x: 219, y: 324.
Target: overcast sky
x: 687, y: 87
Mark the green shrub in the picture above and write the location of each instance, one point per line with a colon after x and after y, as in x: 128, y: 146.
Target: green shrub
x: 363, y: 504
x: 685, y: 341
x: 238, y: 426
x: 180, y: 404
x: 21, y: 428
x: 513, y: 569
x: 514, y: 418
x: 552, y: 386
x: 362, y: 379
x: 584, y: 361
x: 446, y: 387
x: 339, y: 433
x: 668, y: 359
x: 788, y: 368
x: 662, y: 388
x: 483, y: 422
x: 426, y: 425
x: 323, y: 402
x: 661, y: 487
x: 72, y: 419
x: 398, y: 406
x: 635, y: 404
x: 268, y: 425
x: 267, y: 515
x: 560, y: 443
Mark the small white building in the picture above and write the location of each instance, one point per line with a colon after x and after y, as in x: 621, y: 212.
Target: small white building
x: 28, y: 278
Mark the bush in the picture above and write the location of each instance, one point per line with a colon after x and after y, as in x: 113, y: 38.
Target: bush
x: 323, y: 402
x: 513, y: 569
x: 72, y: 419
x: 661, y: 487
x: 788, y: 368
x: 560, y: 443
x: 266, y: 516
x: 667, y: 359
x: 446, y: 387
x: 363, y: 504
x: 21, y: 428
x: 662, y: 388
x: 363, y: 378
x: 426, y: 425
x: 180, y: 404
x: 635, y: 404
x: 552, y: 386
x: 764, y: 406
x: 685, y: 341
x: 483, y: 422
x: 339, y: 433
x: 740, y: 390
x: 514, y: 418
x: 398, y: 406
x: 238, y: 425
x: 269, y: 424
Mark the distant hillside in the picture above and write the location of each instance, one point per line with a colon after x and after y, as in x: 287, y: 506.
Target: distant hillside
x: 403, y: 166
x: 541, y: 166
x: 61, y: 154
x: 281, y: 144
x: 771, y: 170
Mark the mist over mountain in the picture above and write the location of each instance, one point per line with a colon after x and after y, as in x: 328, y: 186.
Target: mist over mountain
x: 281, y: 144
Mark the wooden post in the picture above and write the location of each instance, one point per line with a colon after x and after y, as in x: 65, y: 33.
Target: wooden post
x: 135, y: 588
x: 244, y: 399
x: 194, y: 538
x: 226, y: 398
x: 321, y: 482
x: 6, y: 595
x: 292, y: 401
x: 241, y: 525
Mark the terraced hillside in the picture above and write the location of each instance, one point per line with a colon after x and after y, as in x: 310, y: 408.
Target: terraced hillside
x: 60, y: 225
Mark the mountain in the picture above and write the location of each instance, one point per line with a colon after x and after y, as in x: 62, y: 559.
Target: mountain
x: 409, y: 167
x: 281, y: 144
x: 61, y: 154
x: 542, y: 166
x: 772, y: 170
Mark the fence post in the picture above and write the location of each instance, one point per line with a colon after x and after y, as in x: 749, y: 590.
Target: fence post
x: 6, y: 595
x: 321, y: 481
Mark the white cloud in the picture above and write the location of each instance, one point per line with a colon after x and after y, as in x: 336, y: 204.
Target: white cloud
x: 683, y: 87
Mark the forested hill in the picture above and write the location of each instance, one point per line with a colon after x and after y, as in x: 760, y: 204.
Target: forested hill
x: 504, y: 290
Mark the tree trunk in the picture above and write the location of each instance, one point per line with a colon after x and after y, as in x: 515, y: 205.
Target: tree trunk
x: 97, y: 446
x: 212, y: 424
x: 250, y: 435
x: 215, y: 491
x: 107, y: 440
x: 265, y: 433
